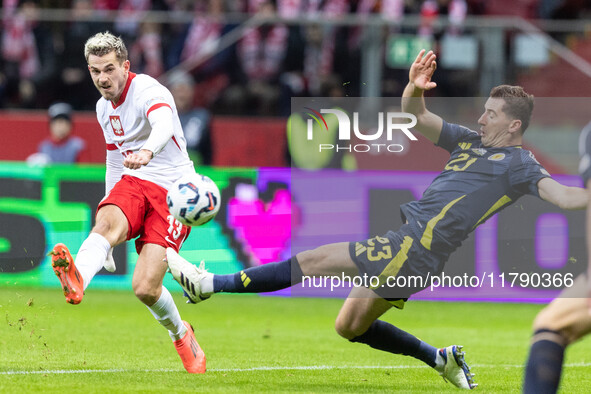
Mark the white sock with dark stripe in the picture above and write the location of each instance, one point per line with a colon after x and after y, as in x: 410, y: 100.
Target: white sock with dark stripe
x: 91, y: 256
x: 167, y: 314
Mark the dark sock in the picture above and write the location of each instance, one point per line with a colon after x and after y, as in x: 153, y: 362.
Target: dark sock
x: 260, y: 279
x: 384, y: 336
x: 544, y: 365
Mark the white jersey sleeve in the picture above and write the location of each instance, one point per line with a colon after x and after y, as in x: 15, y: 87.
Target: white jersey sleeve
x: 114, y: 169
x: 114, y: 159
x: 161, y: 122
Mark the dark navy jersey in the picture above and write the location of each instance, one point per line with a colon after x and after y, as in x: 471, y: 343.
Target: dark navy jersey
x: 585, y: 152
x: 476, y: 183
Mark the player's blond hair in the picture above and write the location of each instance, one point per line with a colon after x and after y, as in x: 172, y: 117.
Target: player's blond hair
x: 104, y: 43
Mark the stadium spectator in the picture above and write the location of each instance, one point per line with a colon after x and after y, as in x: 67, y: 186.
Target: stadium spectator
x: 28, y: 53
x: 486, y: 172
x: 129, y: 16
x: 146, y: 52
x: 61, y: 146
x: 105, y: 5
x: 146, y: 153
x: 260, y: 55
x: 393, y: 11
x: 75, y: 87
x: 566, y: 319
x: 202, y: 37
x: 196, y: 48
x: 322, y: 42
x: 196, y: 121
x: 311, y: 48
x: 455, y: 10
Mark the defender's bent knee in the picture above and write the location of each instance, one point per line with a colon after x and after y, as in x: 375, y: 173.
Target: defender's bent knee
x: 331, y: 259
x: 311, y: 260
x: 350, y: 329
x: 344, y: 330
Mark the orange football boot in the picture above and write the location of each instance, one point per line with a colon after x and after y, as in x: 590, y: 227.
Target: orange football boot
x: 67, y: 273
x: 191, y: 354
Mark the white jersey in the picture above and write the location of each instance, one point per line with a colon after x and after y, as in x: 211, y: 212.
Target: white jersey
x: 126, y: 129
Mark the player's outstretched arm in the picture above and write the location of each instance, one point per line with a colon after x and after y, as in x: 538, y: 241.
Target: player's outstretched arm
x: 565, y: 197
x: 413, y: 100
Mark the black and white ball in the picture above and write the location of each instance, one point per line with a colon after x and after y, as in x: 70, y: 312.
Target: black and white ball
x: 194, y: 199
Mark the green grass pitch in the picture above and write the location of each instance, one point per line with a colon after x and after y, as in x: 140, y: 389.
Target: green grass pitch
x: 111, y: 343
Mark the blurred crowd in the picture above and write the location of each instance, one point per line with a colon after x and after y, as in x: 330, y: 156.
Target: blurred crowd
x: 42, y: 61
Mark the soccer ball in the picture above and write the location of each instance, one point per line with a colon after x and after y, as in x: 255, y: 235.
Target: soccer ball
x: 193, y: 200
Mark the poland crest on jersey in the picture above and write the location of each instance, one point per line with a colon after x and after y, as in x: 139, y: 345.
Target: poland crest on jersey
x: 116, y: 125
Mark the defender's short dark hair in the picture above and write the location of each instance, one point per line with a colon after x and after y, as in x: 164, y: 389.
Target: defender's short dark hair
x: 518, y: 103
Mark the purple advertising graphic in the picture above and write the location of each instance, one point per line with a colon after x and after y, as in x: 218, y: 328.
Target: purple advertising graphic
x: 258, y: 214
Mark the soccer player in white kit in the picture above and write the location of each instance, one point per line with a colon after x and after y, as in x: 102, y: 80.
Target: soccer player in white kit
x: 146, y: 153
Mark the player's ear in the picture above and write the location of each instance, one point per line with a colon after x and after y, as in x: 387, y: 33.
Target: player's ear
x: 515, y: 125
x: 126, y: 65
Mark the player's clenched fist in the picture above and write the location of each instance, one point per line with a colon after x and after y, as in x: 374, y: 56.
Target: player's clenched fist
x: 136, y: 160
